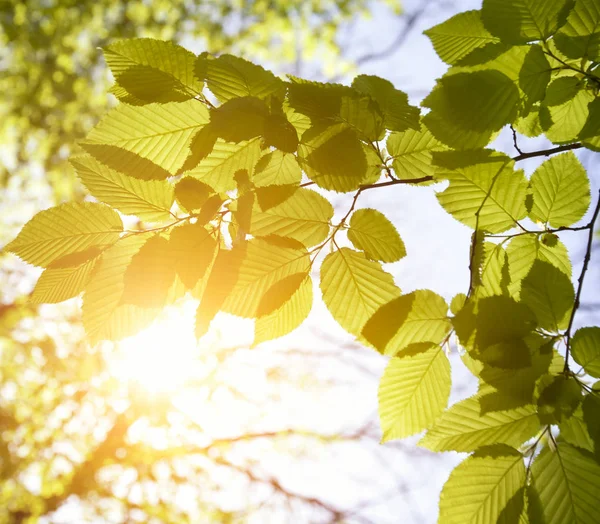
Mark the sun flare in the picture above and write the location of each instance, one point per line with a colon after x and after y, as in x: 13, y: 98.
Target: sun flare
x: 163, y: 357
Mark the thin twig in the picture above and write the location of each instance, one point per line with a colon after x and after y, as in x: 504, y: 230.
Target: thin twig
x: 547, y: 152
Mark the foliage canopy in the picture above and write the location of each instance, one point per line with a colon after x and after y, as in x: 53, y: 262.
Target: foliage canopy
x: 228, y: 167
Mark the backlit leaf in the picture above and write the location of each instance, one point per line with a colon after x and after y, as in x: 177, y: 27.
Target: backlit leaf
x: 413, y: 391
x: 412, y: 151
x: 66, y: 229
x: 354, y: 288
x: 561, y: 191
x: 150, y: 200
x: 371, y: 231
x: 277, y: 168
x: 193, y: 249
x: 464, y: 428
x: 585, y: 349
x: 58, y: 284
x: 580, y: 36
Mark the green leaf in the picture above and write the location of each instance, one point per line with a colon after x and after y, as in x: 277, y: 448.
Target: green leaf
x: 561, y: 191
x: 535, y: 74
x: 574, y: 430
x: 559, y: 396
x: 524, y: 250
x: 493, y: 271
x: 562, y: 123
x: 240, y: 119
x: 585, y: 349
x: 354, y: 288
x: 150, y: 200
x: 398, y: 114
x: 468, y: 108
x: 549, y: 294
x: 160, y: 133
x: 279, y: 293
x: 191, y: 194
x: 152, y: 70
x: 304, y: 216
x: 520, y: 21
x: 264, y: 262
x: 459, y: 36
x: 150, y: 274
x: 486, y: 487
x: 280, y: 133
x: 332, y: 156
x: 371, y: 231
x: 66, y: 229
x: 58, y: 284
x: 494, y: 190
x: 591, y: 417
x: 288, y: 317
x: 415, y: 318
x: 567, y: 481
x: 413, y: 391
x: 193, y: 249
x: 580, y: 36
x: 464, y: 428
x: 493, y: 330
x: 104, y: 318
x: 231, y: 77
x: 363, y: 115
x: 277, y: 169
x: 457, y: 303
x: 412, y: 153
x: 317, y: 100
x: 219, y: 167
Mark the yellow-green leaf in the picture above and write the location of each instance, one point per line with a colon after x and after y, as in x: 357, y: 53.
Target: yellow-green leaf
x: 413, y: 391
x: 412, y: 153
x: 58, y: 284
x: 585, y: 349
x: 277, y: 169
x: 150, y: 200
x: 64, y: 230
x: 371, y: 232
x: 354, y: 288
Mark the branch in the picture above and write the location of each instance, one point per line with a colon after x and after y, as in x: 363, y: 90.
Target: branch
x: 586, y: 261
x: 547, y: 152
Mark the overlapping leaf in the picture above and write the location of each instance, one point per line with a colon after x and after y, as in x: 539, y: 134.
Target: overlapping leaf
x: 585, y: 349
x: 150, y: 200
x: 58, y: 284
x: 412, y: 153
x: 277, y: 168
x: 370, y: 231
x: 580, y: 36
x: 354, y: 288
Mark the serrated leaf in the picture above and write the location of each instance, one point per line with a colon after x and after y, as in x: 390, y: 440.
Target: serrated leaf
x: 317, y: 100
x: 59, y: 284
x: 468, y: 108
x: 276, y: 169
x: 231, y: 77
x: 219, y: 167
x: 280, y: 133
x: 520, y: 21
x: 103, y: 316
x: 494, y: 329
x: 279, y: 293
x: 332, y: 156
x: 354, y: 288
x: 150, y: 274
x: 264, y: 262
x: 412, y: 153
x: 492, y: 270
x: 150, y: 200
x: 580, y: 36
x: 562, y: 123
x: 193, y: 249
x: 557, y: 399
x: 288, y: 317
x: 574, y: 431
x: 415, y: 318
x: 535, y: 74
x: 371, y: 231
x: 413, y: 391
x: 153, y: 70
x: 524, y: 250
x: 489, y: 485
x: 160, y: 133
x: 66, y: 229
x: 464, y: 428
x: 240, y: 119
x: 191, y: 194
x: 304, y: 216
x: 549, y: 294
x: 585, y: 349
x: 457, y: 303
x: 398, y: 114
x: 459, y: 36
x: 567, y: 482
x: 493, y: 190
x: 561, y: 191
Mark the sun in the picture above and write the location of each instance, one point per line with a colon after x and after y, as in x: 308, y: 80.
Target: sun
x: 164, y: 357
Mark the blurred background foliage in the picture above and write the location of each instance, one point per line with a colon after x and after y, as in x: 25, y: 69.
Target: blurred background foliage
x: 77, y: 444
